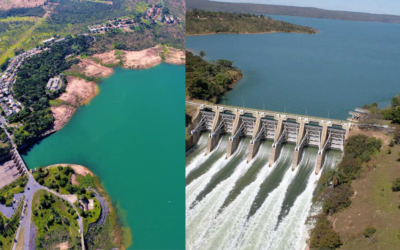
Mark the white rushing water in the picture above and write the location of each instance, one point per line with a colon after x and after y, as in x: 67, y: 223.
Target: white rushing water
x: 203, y: 214
x: 207, y: 227
x: 201, y: 157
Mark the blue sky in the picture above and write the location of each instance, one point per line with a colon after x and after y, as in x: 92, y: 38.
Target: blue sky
x: 391, y: 7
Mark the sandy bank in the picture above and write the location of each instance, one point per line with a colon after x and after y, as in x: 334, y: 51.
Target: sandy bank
x: 94, y: 69
x: 78, y: 169
x: 78, y: 92
x: 143, y: 59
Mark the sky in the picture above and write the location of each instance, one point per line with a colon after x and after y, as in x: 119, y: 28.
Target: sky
x: 391, y: 7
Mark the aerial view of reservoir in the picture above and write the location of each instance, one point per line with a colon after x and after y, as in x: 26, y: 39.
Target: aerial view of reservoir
x: 124, y: 136
x: 236, y: 202
x: 345, y: 65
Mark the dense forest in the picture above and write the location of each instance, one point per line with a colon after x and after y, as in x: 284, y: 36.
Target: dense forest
x: 334, y: 189
x: 209, y: 80
x: 36, y: 11
x: 144, y: 37
x: 83, y: 13
x: 204, y: 22
x: 30, y: 87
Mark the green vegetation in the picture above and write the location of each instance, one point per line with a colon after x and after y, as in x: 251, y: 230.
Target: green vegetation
x: 262, y: 8
x: 396, y: 185
x: 209, y: 80
x: 58, y: 102
x: 11, y: 32
x: 391, y: 113
x: 23, y: 12
x: 89, y: 216
x: 369, y: 231
x: 30, y: 87
x: 56, y: 178
x: 5, y: 144
x: 55, y: 220
x: 204, y: 22
x: 323, y: 236
x: 336, y: 197
x: 8, y: 228
x: 15, y: 187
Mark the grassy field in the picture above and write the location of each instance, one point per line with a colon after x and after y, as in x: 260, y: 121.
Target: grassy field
x: 15, y: 187
x: 55, y: 220
x: 50, y: 180
x: 7, y: 236
x: 24, y: 39
x: 58, y: 102
x: 374, y: 203
x: 91, y: 215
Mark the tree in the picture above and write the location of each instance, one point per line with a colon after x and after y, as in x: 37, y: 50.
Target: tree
x: 323, y: 236
x: 2, y: 199
x: 202, y: 54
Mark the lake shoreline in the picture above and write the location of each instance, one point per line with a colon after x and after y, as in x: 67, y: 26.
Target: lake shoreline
x: 63, y: 113
x: 246, y: 33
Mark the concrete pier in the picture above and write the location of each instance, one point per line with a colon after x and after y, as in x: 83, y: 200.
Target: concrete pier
x: 299, y: 147
x: 213, y: 139
x: 254, y: 143
x: 276, y: 145
x: 233, y: 141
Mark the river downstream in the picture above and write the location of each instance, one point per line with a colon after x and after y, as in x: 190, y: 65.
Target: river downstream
x: 127, y: 137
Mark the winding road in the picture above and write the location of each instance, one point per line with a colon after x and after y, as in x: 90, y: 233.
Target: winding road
x: 31, y: 187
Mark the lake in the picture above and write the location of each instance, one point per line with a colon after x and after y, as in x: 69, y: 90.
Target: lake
x: 344, y: 66
x: 131, y: 136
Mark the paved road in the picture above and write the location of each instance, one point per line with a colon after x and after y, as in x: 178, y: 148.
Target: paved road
x: 31, y: 187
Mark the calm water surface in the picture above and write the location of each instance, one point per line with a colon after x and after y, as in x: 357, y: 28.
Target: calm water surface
x: 346, y: 65
x: 129, y: 137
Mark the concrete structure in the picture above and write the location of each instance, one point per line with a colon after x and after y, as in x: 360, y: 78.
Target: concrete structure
x: 268, y: 125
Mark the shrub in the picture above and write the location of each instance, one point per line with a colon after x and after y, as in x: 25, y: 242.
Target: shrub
x: 396, y: 185
x: 323, y: 236
x: 369, y: 231
x: 337, y: 198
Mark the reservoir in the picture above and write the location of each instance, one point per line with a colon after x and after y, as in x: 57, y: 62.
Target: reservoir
x: 345, y: 65
x: 130, y: 138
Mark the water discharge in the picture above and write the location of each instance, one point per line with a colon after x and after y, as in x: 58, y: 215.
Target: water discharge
x: 233, y: 204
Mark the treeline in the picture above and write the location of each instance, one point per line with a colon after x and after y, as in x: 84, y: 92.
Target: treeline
x: 86, y: 12
x: 36, y: 11
x: 391, y: 113
x: 144, y: 37
x: 205, y: 22
x: 209, y: 80
x: 30, y: 87
x: 334, y: 188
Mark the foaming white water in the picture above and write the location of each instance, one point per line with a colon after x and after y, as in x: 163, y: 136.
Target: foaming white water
x: 202, y: 157
x: 291, y: 232
x: 202, y: 216
x: 199, y: 184
x: 262, y: 223
x: 223, y: 230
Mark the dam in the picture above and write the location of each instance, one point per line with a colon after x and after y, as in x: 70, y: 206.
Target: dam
x: 251, y: 176
x: 262, y: 125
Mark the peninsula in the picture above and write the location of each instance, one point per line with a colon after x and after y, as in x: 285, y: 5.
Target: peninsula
x: 200, y: 22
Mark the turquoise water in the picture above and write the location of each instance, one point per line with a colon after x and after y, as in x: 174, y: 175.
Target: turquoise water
x: 131, y: 136
x: 346, y: 65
